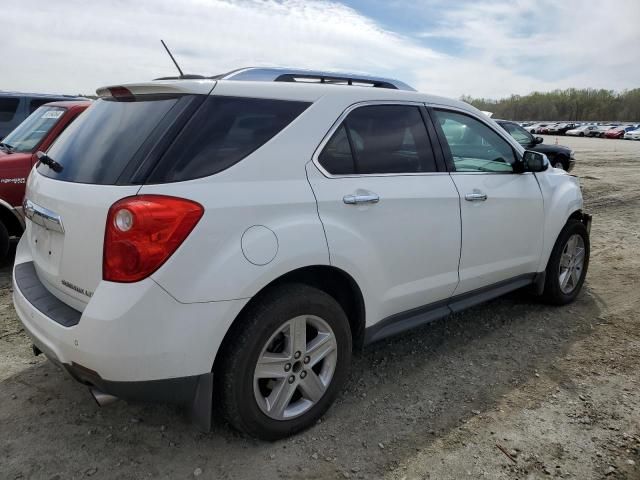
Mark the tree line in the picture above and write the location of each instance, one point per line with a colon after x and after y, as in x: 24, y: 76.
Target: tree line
x: 570, y: 104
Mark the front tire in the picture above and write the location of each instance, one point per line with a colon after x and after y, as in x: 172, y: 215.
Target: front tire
x: 285, y: 362
x: 568, y: 264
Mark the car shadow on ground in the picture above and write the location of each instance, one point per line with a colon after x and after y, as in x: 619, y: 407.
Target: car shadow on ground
x: 403, y: 393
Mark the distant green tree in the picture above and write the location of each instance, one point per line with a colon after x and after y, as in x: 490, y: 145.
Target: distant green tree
x: 570, y: 104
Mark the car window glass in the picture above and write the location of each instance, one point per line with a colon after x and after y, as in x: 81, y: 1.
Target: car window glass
x: 518, y: 133
x: 8, y: 107
x: 474, y: 146
x: 99, y: 145
x: 36, y: 103
x: 224, y: 131
x: 30, y: 132
x: 336, y: 157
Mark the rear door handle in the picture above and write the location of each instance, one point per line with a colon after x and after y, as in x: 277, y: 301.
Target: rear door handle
x: 475, y: 197
x: 363, y: 198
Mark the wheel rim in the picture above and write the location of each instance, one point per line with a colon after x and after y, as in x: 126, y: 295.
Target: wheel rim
x: 295, y: 367
x: 571, y: 264
x: 558, y: 165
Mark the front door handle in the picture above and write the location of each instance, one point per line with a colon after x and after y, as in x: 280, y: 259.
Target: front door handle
x: 476, y: 196
x: 361, y: 198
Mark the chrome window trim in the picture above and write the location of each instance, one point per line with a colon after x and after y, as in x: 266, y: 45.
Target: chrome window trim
x: 337, y: 124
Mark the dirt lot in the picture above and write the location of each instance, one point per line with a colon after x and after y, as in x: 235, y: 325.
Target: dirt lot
x: 556, y: 388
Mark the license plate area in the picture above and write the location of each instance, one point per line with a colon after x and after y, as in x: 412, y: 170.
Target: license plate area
x: 46, y: 248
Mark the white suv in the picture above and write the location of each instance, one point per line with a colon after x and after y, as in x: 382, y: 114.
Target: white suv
x: 226, y: 243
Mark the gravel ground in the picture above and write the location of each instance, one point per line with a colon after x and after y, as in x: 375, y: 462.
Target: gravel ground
x: 511, y: 389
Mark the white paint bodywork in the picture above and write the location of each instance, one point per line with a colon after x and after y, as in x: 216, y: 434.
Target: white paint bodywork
x: 420, y: 244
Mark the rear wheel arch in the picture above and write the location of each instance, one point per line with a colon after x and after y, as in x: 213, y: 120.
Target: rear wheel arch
x: 335, y: 282
x: 10, y: 220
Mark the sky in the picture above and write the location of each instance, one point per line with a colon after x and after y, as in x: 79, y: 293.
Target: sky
x: 489, y: 49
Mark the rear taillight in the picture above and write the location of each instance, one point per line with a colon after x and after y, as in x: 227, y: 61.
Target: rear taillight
x: 142, y: 232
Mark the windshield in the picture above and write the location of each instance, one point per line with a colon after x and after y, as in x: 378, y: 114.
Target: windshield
x: 518, y: 133
x: 28, y: 135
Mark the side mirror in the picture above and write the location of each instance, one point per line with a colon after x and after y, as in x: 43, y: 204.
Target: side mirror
x: 534, y: 161
x: 539, y: 140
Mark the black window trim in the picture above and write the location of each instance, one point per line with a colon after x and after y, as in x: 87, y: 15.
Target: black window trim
x: 439, y: 158
x: 445, y: 146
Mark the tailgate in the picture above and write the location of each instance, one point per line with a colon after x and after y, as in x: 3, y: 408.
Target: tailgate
x: 65, y: 234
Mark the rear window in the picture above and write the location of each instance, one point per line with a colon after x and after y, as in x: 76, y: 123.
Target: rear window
x: 8, y: 107
x: 222, y: 132
x: 112, y: 137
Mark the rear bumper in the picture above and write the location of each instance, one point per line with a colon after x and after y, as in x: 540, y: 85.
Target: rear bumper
x: 131, y: 333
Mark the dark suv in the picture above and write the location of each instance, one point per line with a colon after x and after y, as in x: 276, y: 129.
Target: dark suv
x: 15, y: 107
x: 558, y: 155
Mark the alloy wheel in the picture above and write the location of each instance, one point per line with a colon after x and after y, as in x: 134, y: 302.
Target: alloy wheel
x: 295, y: 367
x: 571, y: 264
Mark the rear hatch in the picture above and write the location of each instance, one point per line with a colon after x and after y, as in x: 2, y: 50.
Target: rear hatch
x: 105, y: 155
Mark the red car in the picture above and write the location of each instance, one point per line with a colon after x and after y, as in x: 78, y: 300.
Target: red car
x: 18, y: 155
x: 618, y: 132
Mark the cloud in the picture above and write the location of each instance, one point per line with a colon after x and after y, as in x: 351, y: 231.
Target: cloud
x: 501, y: 47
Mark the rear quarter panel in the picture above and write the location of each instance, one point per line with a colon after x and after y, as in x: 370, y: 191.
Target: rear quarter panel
x: 268, y: 188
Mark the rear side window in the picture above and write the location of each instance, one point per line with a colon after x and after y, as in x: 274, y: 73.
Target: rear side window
x: 378, y: 139
x: 336, y: 157
x: 8, y: 107
x: 221, y: 133
x: 110, y: 136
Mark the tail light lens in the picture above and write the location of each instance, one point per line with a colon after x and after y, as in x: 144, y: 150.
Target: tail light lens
x: 142, y: 232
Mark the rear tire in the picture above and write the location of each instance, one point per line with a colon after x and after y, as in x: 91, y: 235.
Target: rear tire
x: 4, y: 241
x: 568, y: 264
x: 300, y: 381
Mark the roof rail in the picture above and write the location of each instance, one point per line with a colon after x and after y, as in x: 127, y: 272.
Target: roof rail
x: 298, y: 75
x: 275, y: 74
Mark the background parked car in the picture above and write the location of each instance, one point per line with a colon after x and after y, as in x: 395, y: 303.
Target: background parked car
x: 632, y: 135
x: 558, y: 155
x: 18, y: 155
x: 15, y: 107
x: 603, y: 129
x: 619, y: 132
x: 535, y: 127
x: 583, y: 131
x: 561, y: 128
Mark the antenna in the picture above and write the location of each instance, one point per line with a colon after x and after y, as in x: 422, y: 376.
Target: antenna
x: 174, y: 60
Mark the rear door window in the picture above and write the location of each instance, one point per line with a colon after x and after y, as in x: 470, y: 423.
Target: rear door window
x: 382, y: 139
x: 8, y: 108
x: 111, y: 136
x: 222, y: 132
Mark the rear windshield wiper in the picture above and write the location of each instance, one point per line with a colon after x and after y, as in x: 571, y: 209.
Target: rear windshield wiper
x: 6, y: 147
x: 49, y: 162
